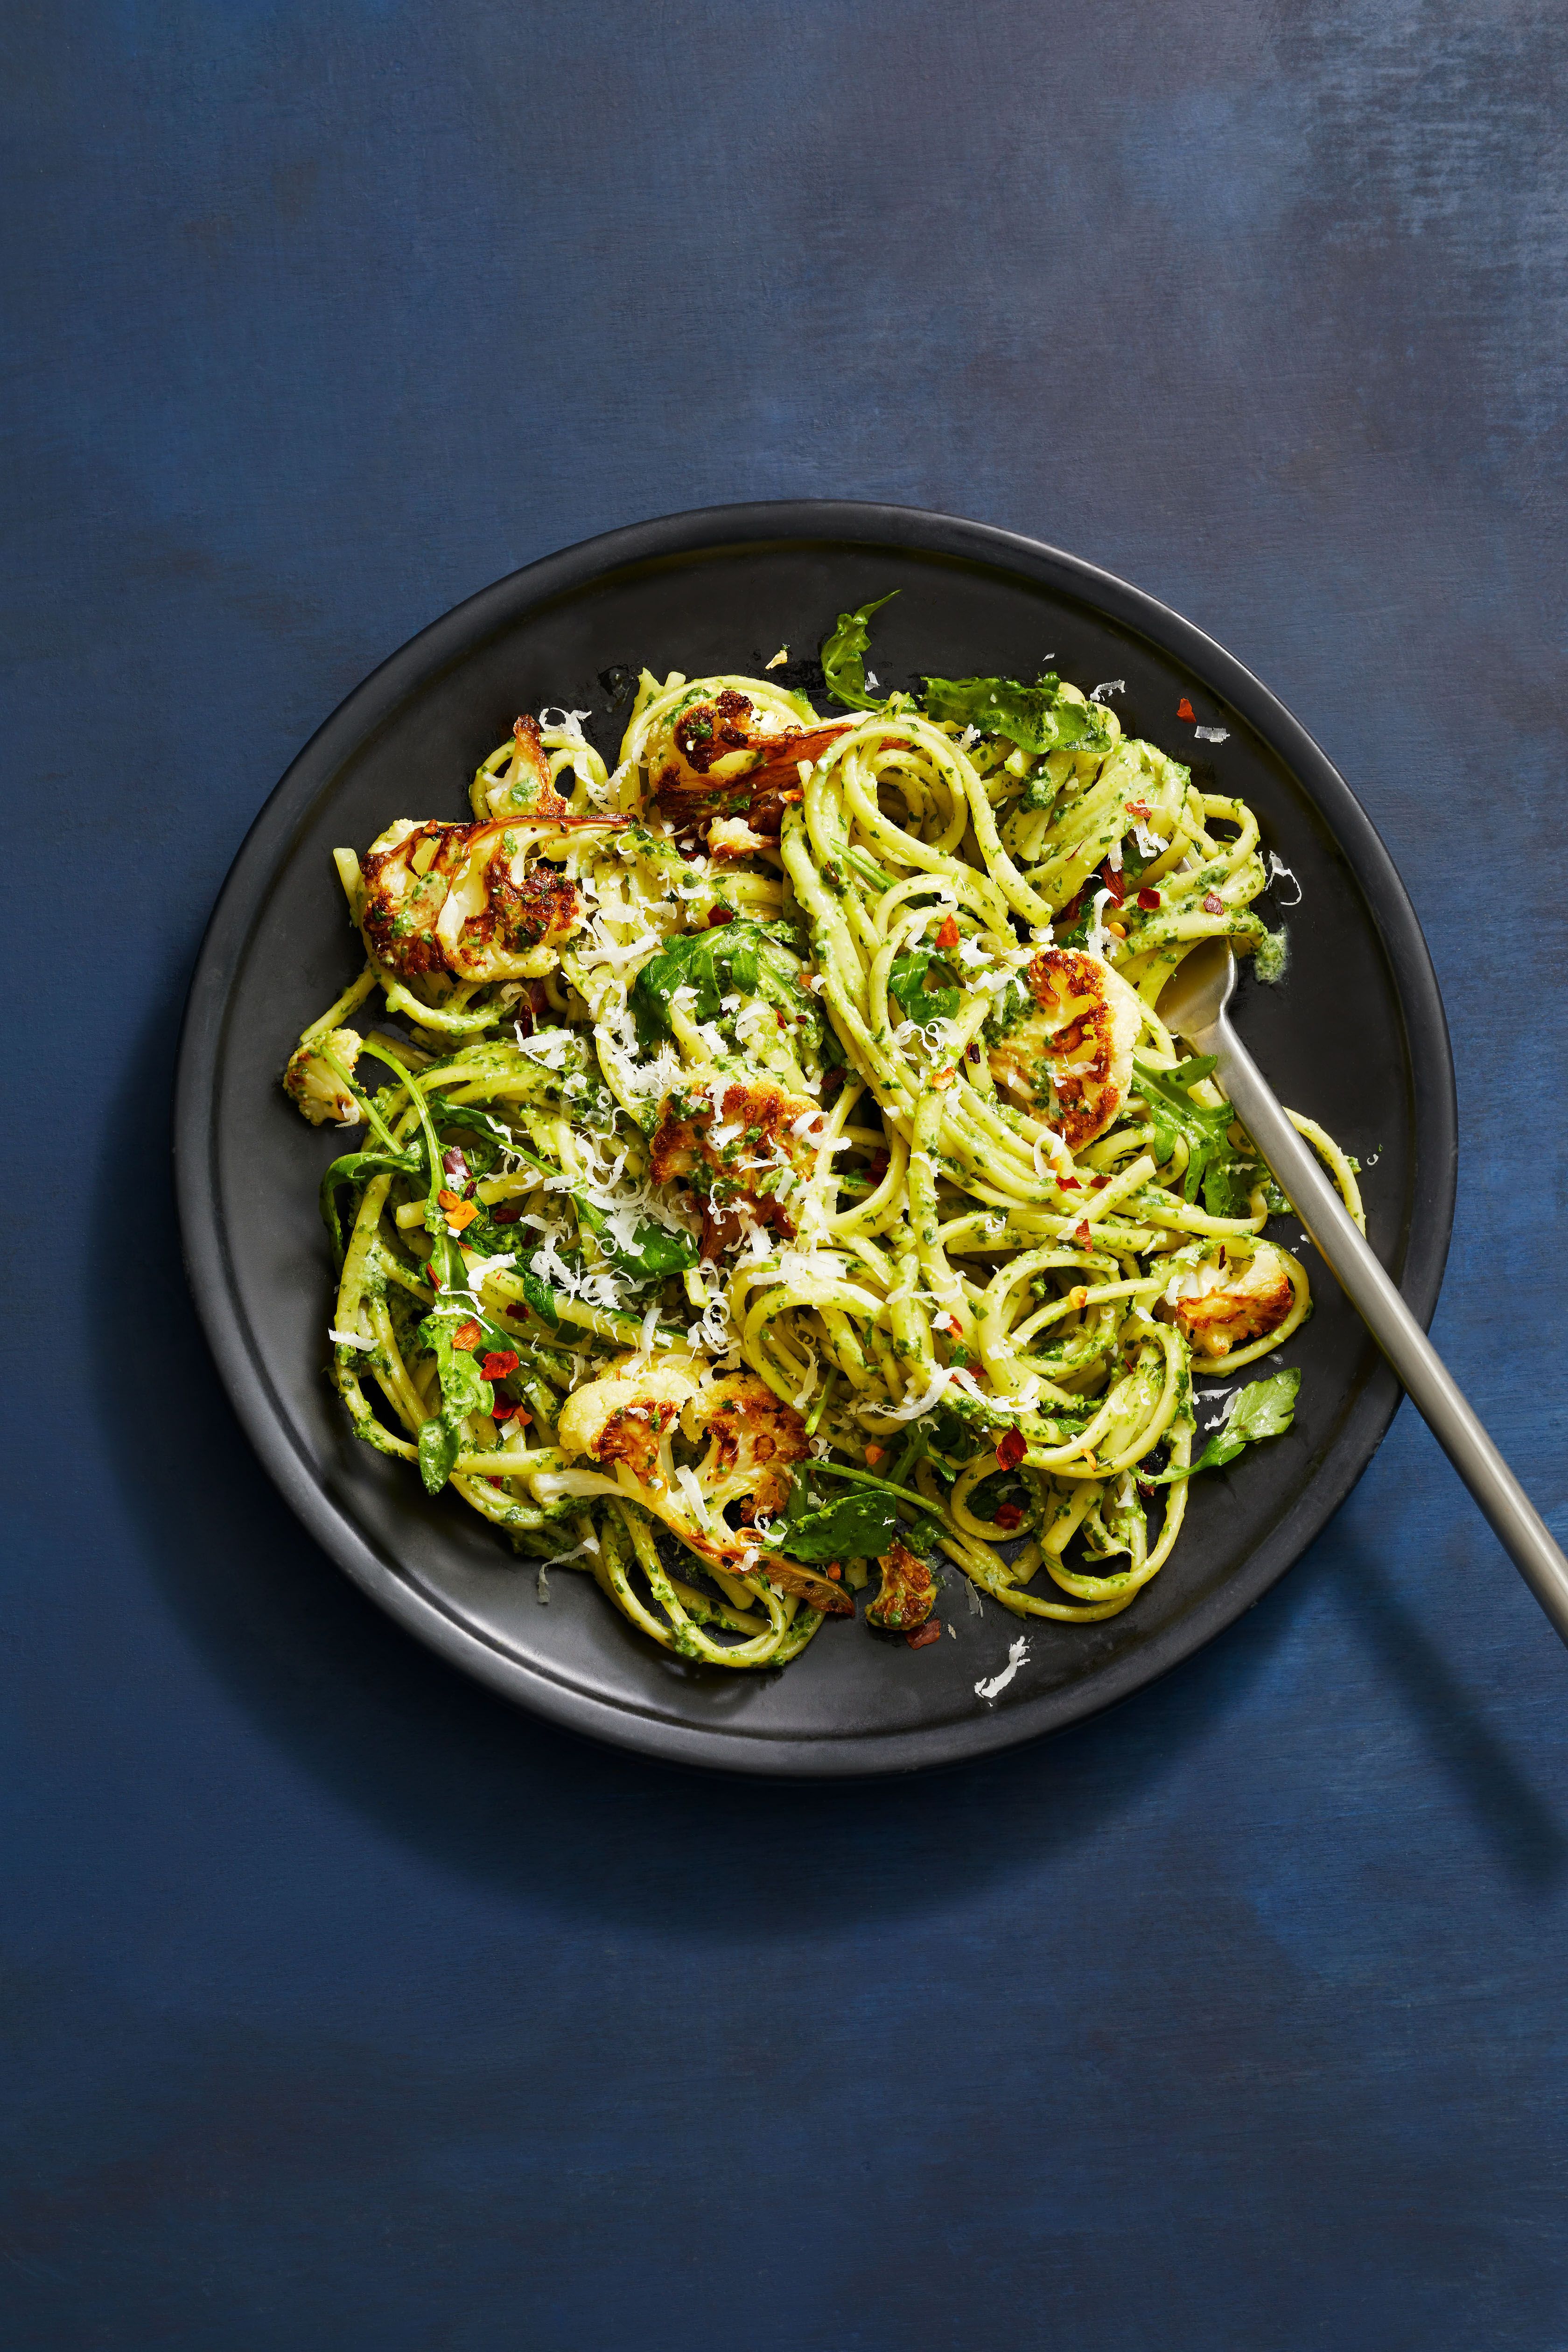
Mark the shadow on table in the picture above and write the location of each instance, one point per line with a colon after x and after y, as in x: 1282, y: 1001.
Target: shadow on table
x: 482, y: 1788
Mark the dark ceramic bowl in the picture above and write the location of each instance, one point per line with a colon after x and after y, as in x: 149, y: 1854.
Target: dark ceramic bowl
x: 1355, y: 1035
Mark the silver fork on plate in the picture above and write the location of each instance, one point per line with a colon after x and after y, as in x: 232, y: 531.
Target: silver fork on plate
x: 1193, y: 1005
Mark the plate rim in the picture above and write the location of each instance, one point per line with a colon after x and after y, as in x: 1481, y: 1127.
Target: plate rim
x: 262, y: 1412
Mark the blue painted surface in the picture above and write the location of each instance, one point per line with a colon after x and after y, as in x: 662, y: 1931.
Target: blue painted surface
x: 349, y: 2009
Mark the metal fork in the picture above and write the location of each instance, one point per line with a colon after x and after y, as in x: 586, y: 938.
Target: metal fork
x: 1193, y: 1006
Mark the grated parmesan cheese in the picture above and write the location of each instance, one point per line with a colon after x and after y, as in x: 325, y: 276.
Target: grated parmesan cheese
x: 1016, y: 1657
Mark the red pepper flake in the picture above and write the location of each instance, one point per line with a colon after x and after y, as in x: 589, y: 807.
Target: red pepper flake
x: 1140, y: 808
x: 519, y: 1313
x: 717, y: 915
x: 943, y: 1079
x: 878, y: 1167
x: 873, y: 1453
x: 1009, y: 1515
x: 947, y: 937
x: 834, y: 1571
x: 921, y: 1637
x: 1082, y: 1235
x: 1148, y: 899
x: 972, y: 1051
x: 1011, y: 1448
x: 1069, y: 1184
x: 1184, y: 709
x: 1115, y: 882
x: 1213, y: 903
x: 467, y: 1335
x: 506, y: 1213
x: 1099, y: 1183
x: 489, y: 1481
x: 497, y: 1366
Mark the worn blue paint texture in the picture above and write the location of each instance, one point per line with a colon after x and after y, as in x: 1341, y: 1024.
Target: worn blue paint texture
x: 348, y: 2009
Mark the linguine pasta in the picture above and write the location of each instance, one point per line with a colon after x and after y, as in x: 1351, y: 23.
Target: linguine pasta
x: 779, y: 1182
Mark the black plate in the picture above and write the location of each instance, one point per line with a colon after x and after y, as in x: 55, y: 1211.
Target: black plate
x: 1355, y: 1036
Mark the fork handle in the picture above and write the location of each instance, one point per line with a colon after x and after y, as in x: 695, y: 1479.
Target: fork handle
x: 1431, y: 1387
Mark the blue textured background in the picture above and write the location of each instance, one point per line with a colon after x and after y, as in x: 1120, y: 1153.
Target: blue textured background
x: 349, y: 2009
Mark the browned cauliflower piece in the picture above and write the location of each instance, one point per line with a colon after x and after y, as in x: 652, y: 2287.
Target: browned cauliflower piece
x: 475, y: 901
x: 722, y: 757
x: 742, y: 1150
x: 1069, y: 1061
x: 523, y: 785
x: 623, y: 1417
x: 909, y: 1589
x: 754, y: 1441
x: 1236, y: 1296
x: 318, y: 1092
x: 627, y: 1414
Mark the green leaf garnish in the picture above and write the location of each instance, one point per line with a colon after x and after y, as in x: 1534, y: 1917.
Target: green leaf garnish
x: 844, y: 657
x: 1037, y: 717
x: 741, y: 958
x: 1262, y: 1409
x: 908, y: 985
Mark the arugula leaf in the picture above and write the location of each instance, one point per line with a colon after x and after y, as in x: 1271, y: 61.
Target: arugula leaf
x: 654, y: 1252
x: 907, y: 982
x: 463, y: 1391
x: 357, y: 1168
x: 439, y: 1446
x: 1036, y: 718
x: 844, y: 657
x: 538, y: 1295
x: 740, y: 958
x: 857, y: 1525
x: 1227, y: 1176
x: 1262, y: 1409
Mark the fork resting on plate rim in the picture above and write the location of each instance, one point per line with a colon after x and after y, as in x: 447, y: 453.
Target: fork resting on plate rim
x: 1193, y: 1005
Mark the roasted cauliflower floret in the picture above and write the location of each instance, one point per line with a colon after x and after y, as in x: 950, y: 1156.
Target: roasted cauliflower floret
x: 743, y: 1161
x: 318, y: 1091
x: 909, y: 1589
x: 628, y: 1414
x: 518, y: 784
x: 477, y: 901
x: 1069, y: 1059
x: 732, y: 836
x: 1241, y: 1294
x: 624, y: 1415
x: 721, y: 756
x: 755, y: 1441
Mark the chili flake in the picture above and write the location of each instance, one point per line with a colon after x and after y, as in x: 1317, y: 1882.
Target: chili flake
x: 921, y: 1637
x: 1082, y: 1235
x: 497, y: 1366
x: 1213, y: 903
x: 467, y: 1335
x: 947, y: 937
x: 1148, y: 899
x: 1184, y: 709
x: 717, y: 915
x: 1009, y: 1515
x: 1011, y: 1447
